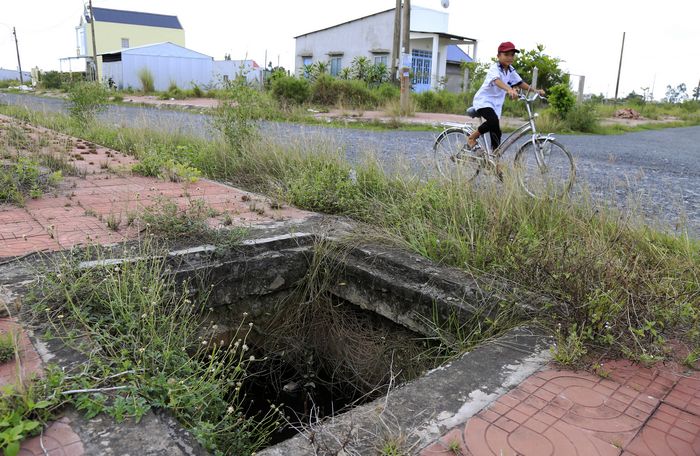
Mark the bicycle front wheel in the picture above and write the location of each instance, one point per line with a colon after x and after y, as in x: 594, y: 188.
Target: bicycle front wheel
x: 452, y: 156
x: 551, y: 176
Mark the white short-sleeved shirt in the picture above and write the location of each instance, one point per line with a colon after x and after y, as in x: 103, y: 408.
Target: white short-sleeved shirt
x: 492, y: 96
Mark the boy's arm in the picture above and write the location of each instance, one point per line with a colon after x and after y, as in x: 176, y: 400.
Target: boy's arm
x: 509, y: 90
x: 524, y: 85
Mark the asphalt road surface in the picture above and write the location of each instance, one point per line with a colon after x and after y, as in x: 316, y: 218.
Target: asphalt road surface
x: 657, y: 173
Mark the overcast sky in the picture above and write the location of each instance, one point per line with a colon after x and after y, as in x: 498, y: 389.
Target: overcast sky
x: 661, y: 46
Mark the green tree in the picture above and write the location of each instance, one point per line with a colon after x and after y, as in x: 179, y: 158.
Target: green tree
x: 360, y: 67
x: 549, y: 73
x: 676, y: 95
x: 562, y: 100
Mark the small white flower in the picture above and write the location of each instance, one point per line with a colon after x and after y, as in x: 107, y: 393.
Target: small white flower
x: 204, y: 342
x: 229, y: 410
x: 252, y: 358
x: 245, y: 347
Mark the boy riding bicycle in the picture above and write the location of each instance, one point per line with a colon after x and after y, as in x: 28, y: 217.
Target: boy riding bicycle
x: 488, y: 101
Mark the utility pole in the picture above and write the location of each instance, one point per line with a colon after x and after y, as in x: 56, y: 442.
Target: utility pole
x: 395, y: 54
x: 619, y: 68
x: 405, y: 56
x: 94, y: 46
x: 19, y: 64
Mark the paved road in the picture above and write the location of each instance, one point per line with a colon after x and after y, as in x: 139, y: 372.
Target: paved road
x: 659, y: 171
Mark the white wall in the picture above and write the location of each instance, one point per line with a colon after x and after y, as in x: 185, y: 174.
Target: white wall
x: 232, y: 68
x: 427, y: 20
x: 353, y: 39
x: 182, y: 70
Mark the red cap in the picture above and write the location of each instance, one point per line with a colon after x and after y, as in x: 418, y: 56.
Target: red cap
x: 507, y: 46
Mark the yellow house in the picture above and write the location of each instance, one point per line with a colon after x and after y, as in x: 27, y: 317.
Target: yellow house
x: 118, y: 29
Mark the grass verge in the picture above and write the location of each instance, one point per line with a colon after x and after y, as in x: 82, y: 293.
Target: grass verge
x: 621, y: 286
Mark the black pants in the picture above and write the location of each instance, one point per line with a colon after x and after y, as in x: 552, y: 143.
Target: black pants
x: 491, y: 125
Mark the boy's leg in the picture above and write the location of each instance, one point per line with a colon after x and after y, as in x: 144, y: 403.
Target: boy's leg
x: 492, y: 125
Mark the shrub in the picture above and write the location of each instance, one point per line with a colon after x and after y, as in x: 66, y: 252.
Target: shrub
x: 325, y: 91
x: 235, y: 116
x: 386, y: 92
x: 86, y: 100
x: 562, y: 100
x: 290, y: 90
x: 146, y: 78
x: 51, y: 80
x: 9, y: 83
x: 582, y: 117
x: 440, y: 101
x: 355, y: 93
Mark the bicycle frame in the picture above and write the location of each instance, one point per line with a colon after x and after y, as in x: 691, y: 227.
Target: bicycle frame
x: 521, y: 131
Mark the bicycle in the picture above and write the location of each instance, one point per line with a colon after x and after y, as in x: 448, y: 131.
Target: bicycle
x: 543, y: 166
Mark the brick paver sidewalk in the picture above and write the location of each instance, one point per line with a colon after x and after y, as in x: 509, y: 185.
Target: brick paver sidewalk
x: 96, y: 209
x: 633, y: 411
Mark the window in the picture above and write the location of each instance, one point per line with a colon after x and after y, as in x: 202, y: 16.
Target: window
x: 125, y: 43
x: 382, y: 58
x: 306, y: 62
x: 336, y: 65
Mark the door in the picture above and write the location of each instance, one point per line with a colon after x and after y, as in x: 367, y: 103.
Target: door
x: 421, y: 64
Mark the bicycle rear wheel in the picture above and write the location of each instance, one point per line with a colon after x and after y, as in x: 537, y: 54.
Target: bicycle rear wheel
x: 553, y: 177
x: 452, y: 156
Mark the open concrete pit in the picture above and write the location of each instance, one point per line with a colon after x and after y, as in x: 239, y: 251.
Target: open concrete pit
x: 344, y: 333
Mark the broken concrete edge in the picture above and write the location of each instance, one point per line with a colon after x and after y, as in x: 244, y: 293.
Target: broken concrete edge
x: 422, y: 410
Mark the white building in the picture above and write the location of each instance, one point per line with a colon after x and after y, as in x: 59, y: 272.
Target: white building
x: 167, y: 62
x: 372, y: 36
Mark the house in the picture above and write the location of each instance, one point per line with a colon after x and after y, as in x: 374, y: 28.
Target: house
x: 372, y: 36
x: 13, y: 75
x: 118, y: 29
x: 167, y: 63
x: 228, y: 70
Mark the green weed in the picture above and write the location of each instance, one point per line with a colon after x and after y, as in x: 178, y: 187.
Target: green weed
x: 8, y: 346
x: 147, y: 349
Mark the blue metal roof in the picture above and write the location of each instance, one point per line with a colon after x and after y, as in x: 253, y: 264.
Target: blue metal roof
x: 456, y: 54
x: 135, y: 18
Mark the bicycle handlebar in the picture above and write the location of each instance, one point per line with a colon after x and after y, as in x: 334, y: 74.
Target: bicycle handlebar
x: 534, y: 97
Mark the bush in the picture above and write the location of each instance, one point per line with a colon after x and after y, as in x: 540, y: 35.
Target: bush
x: 386, y: 92
x: 582, y: 117
x: 146, y: 78
x: 290, y: 90
x: 58, y: 80
x: 325, y: 90
x: 562, y: 100
x: 239, y: 107
x: 440, y: 101
x: 86, y: 100
x: 9, y: 83
x: 355, y: 93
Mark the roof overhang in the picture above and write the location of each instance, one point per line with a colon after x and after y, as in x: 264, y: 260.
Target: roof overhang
x: 456, y: 39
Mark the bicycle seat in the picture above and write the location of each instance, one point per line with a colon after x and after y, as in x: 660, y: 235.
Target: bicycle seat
x: 471, y: 112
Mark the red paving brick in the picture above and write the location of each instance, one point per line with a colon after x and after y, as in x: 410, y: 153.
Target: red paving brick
x: 29, y: 365
x: 635, y: 411
x: 79, y: 212
x: 58, y: 439
x: 669, y: 432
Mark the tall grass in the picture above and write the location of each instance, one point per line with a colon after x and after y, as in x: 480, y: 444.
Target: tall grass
x: 619, y: 285
x: 147, y: 81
